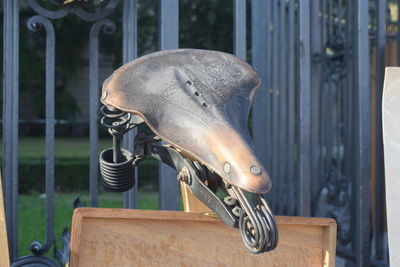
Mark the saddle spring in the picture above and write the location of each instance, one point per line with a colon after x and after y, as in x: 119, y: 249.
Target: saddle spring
x: 116, y: 163
x: 257, y: 225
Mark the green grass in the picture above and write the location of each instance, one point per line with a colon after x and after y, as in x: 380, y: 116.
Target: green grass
x: 32, y: 207
x: 71, y: 164
x: 65, y: 147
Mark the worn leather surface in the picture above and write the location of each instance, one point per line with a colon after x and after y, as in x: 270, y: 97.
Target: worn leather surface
x: 198, y: 101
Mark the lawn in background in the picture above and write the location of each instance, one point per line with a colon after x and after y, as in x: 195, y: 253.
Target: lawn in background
x: 32, y: 218
x: 65, y: 147
x: 32, y: 206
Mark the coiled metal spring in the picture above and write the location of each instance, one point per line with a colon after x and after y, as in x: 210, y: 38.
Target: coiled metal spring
x: 257, y: 225
x: 116, y: 164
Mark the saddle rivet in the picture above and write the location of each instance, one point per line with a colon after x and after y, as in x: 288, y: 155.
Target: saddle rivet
x: 227, y: 168
x: 255, y: 170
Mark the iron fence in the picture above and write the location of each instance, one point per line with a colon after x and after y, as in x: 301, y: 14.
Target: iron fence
x: 311, y: 119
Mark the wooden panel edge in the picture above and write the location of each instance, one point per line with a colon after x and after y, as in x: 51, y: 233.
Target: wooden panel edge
x: 4, y: 254
x: 172, y: 215
x: 76, y: 229
x: 143, y: 214
x: 329, y: 256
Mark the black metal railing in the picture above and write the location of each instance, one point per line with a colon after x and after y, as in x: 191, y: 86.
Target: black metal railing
x: 310, y: 120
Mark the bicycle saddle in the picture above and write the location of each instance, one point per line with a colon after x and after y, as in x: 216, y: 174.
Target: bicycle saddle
x: 198, y: 101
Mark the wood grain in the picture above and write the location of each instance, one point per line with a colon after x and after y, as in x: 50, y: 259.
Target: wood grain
x: 117, y: 237
x: 4, y: 257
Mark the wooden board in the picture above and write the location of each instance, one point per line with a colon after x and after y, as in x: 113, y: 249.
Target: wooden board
x: 4, y: 257
x: 118, y: 237
x: 391, y: 141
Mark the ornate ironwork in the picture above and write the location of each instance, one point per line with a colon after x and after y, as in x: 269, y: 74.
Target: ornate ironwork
x: 75, y: 7
x: 37, y: 23
x: 334, y: 202
x: 38, y: 260
x: 334, y: 58
x: 78, y: 203
x: 334, y: 196
x: 35, y: 261
x: 109, y: 28
x: 66, y: 2
x: 63, y: 255
x: 84, y: 10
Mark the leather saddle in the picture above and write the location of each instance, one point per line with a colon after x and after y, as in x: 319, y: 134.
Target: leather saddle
x: 197, y: 101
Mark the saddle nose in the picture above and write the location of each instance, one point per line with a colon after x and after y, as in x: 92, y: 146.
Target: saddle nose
x: 238, y: 165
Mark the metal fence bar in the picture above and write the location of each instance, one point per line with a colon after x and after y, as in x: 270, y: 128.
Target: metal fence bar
x: 349, y: 98
x: 380, y: 173
x: 330, y: 17
x: 15, y: 119
x: 10, y: 120
x: 282, y: 165
x: 93, y: 113
x: 268, y: 82
x: 322, y: 96
x: 50, y: 119
x: 316, y: 68
x: 93, y: 107
x: 275, y: 102
x: 94, y: 104
x: 362, y: 121
x: 304, y: 208
x: 291, y: 110
x: 129, y: 52
x: 37, y: 23
x: 239, y: 23
x: 169, y: 39
x: 259, y: 35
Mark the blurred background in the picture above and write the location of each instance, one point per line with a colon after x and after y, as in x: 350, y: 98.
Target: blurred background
x: 316, y: 120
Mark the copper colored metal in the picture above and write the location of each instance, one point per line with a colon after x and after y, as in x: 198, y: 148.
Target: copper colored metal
x: 198, y: 101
